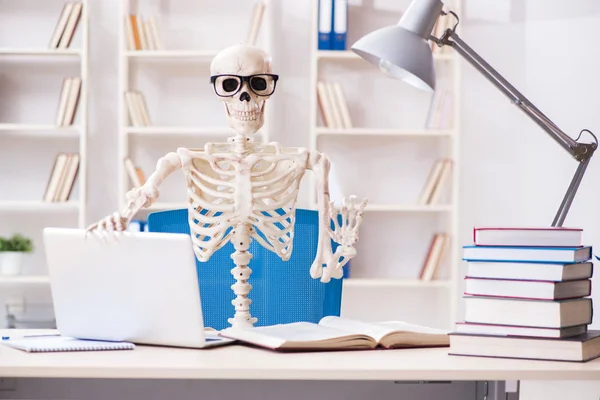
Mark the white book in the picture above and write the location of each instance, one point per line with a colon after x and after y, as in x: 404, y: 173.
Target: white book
x: 63, y: 100
x: 130, y: 168
x: 149, y: 35
x: 507, y: 330
x: 326, y: 106
x: 339, y: 333
x: 58, y: 169
x: 430, y: 184
x: 129, y: 34
x: 60, y: 25
x: 142, y: 108
x: 134, y: 117
x: 73, y: 101
x: 158, y: 45
x: 69, y: 176
x: 442, y: 182
x: 142, y: 33
x: 534, y: 313
x: 528, y: 236
x: 530, y: 271
x: 540, y: 290
x: 335, y: 107
x: 71, y: 26
x: 342, y: 105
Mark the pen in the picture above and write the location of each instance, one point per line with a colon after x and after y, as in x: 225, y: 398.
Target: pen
x: 27, y: 336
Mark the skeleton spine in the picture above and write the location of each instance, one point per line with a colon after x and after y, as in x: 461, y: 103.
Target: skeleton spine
x: 241, y: 258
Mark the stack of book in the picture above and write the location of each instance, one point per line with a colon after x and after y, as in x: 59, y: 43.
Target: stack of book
x: 333, y: 105
x: 332, y: 24
x: 527, y: 296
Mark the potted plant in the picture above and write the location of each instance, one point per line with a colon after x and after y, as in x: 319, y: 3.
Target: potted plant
x: 11, y: 253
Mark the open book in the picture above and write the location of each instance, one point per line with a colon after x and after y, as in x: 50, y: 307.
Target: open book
x: 336, y: 333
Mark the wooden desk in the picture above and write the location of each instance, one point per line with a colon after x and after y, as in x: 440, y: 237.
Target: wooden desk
x: 240, y: 362
x: 246, y: 365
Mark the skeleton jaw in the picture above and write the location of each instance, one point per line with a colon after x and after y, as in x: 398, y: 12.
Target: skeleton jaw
x: 245, y: 118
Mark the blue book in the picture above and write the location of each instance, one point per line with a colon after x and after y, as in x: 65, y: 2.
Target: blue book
x: 340, y: 24
x: 552, y: 255
x: 325, y: 24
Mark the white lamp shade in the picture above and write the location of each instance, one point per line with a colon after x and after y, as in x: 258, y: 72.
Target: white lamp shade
x: 399, y: 53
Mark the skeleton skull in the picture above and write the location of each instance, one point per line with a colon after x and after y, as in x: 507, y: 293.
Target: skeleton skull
x: 242, y: 78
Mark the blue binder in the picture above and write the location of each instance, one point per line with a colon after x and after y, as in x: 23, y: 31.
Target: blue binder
x: 340, y: 24
x: 325, y: 24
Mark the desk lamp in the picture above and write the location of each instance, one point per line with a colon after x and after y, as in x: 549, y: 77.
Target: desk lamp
x: 402, y: 52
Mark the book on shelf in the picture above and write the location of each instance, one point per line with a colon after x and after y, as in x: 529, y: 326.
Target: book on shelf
x: 508, y: 330
x: 256, y: 21
x: 62, y: 178
x: 136, y: 175
x: 527, y: 254
x: 142, y: 34
x: 437, y: 183
x: 436, y: 254
x: 332, y: 24
x: 580, y: 348
x: 528, y: 236
x: 541, y: 290
x: 137, y: 109
x: 68, y: 101
x: 555, y: 272
x: 333, y: 105
x: 525, y: 312
x: 65, y: 28
x: 441, y: 110
x: 336, y: 333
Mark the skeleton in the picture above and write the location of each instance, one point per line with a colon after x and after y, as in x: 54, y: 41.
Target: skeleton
x: 243, y: 190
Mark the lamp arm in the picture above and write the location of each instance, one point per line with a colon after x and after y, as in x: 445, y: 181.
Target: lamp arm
x: 582, y: 152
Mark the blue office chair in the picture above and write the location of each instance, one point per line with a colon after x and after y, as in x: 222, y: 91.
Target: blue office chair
x: 282, y: 291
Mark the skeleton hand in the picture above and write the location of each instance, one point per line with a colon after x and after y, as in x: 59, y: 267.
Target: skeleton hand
x: 346, y: 234
x: 118, y: 222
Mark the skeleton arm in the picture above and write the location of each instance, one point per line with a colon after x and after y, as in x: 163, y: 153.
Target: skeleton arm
x: 143, y: 196
x: 344, y: 233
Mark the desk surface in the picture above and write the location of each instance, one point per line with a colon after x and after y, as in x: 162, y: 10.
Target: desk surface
x: 241, y: 362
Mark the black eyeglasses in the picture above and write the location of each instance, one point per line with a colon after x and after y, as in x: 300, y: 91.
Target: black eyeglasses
x: 229, y: 85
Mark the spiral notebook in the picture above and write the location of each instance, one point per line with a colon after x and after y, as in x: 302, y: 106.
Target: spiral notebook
x: 46, y: 344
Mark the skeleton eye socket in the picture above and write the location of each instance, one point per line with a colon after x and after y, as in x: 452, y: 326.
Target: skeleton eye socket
x: 258, y: 83
x: 230, y: 85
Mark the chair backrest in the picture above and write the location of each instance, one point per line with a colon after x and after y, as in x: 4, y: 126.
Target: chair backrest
x: 282, y: 291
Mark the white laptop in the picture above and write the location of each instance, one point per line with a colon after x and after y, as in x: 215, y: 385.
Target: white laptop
x: 141, y: 288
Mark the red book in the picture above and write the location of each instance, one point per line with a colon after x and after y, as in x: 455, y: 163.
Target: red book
x: 530, y: 237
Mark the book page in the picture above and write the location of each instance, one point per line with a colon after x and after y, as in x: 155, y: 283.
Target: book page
x: 276, y: 335
x: 406, y: 327
x: 350, y: 326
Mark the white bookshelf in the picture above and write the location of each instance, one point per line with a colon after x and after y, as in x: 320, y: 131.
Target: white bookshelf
x: 29, y: 134
x: 191, y: 37
x: 388, y: 286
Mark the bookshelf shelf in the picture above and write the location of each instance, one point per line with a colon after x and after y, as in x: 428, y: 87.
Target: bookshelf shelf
x: 322, y: 131
x: 333, y: 55
x: 41, y: 130
x: 348, y: 93
x: 39, y: 206
x: 20, y: 280
x: 41, y: 52
x: 200, y: 55
x: 400, y: 283
x: 177, y: 130
x: 408, y: 208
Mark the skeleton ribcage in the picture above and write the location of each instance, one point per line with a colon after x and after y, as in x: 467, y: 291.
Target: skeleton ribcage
x: 260, y: 190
